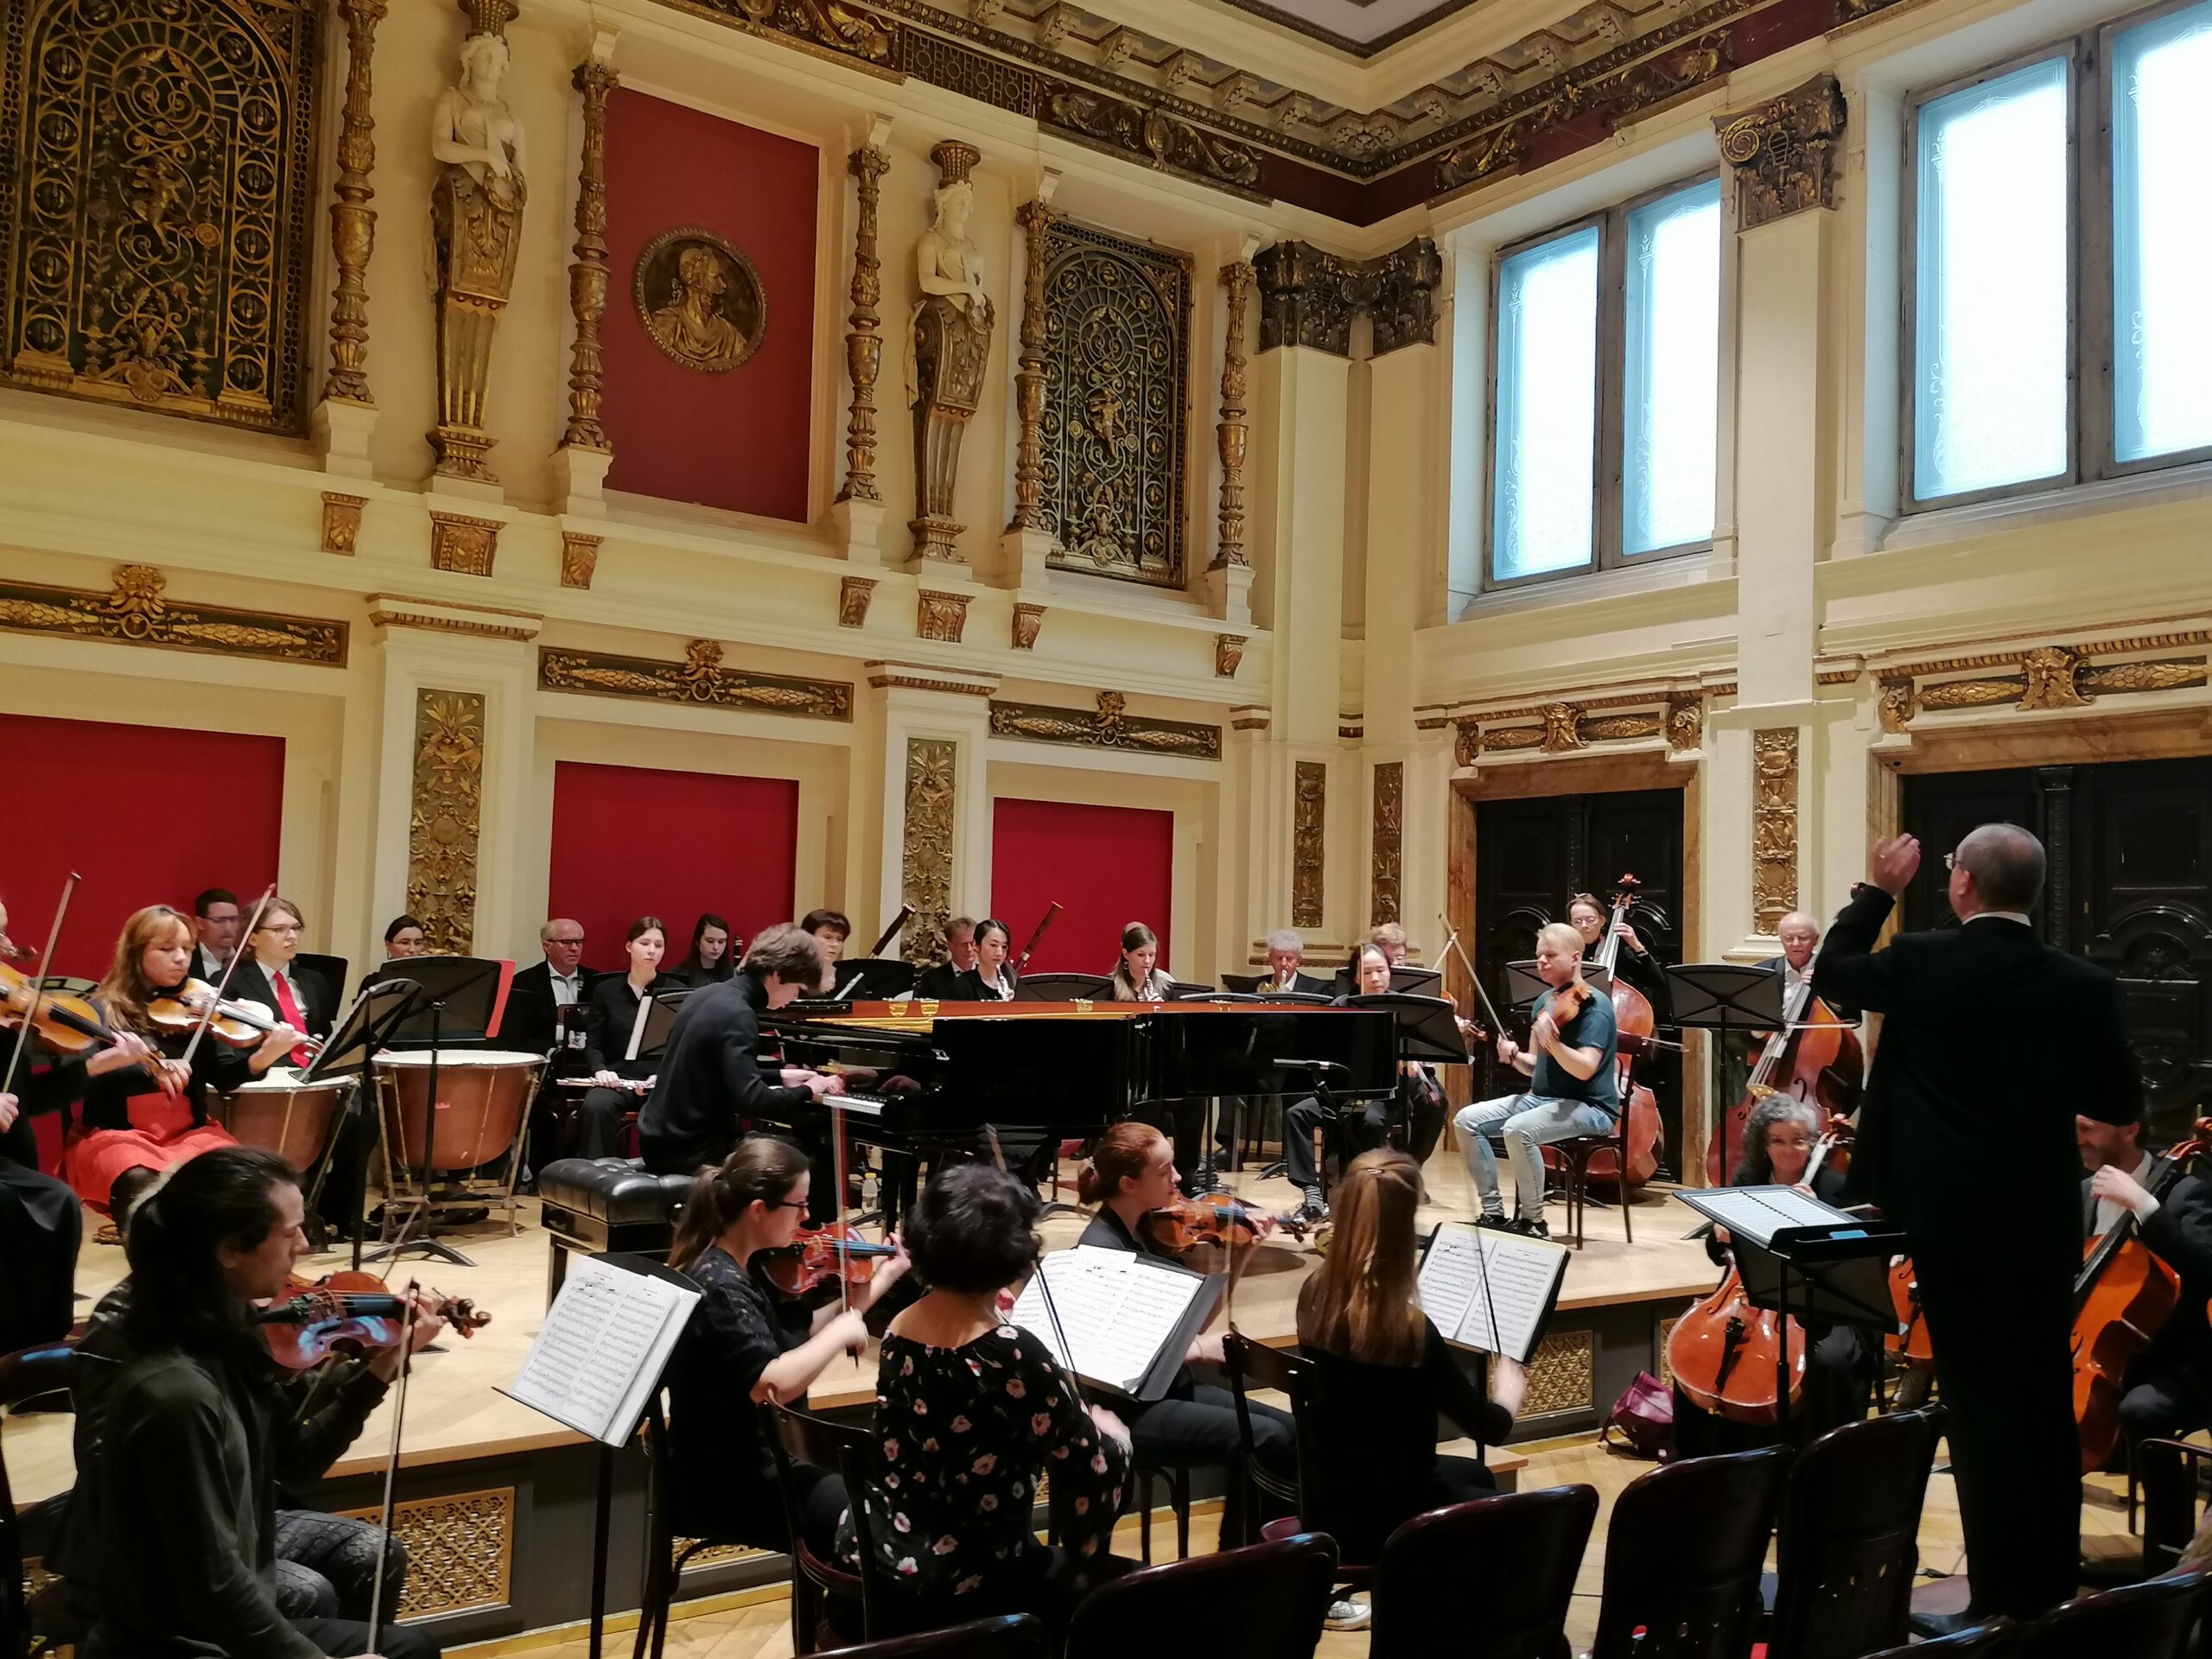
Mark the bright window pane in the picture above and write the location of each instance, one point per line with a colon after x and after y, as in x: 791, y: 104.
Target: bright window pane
x: 2162, y: 237
x: 1673, y: 370
x: 1547, y: 443
x: 1989, y: 386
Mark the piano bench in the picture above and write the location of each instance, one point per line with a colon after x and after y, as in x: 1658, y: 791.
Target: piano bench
x: 593, y: 1204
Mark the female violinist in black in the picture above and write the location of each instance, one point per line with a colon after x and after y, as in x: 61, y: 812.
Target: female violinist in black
x: 615, y: 1000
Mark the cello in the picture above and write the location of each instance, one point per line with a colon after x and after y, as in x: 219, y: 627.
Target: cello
x: 2123, y: 1295
x: 1815, y: 1056
x: 1635, y: 1026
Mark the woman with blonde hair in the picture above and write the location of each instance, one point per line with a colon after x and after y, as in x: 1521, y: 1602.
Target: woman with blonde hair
x: 1382, y: 1375
x: 154, y: 1113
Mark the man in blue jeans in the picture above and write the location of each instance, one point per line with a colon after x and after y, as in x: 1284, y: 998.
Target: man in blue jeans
x: 1570, y: 1066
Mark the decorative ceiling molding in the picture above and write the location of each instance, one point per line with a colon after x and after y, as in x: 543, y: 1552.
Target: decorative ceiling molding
x: 1358, y: 48
x: 1110, y: 727
x: 1309, y: 298
x: 134, y: 609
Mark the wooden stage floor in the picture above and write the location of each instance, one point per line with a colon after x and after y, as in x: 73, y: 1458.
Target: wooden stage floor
x: 455, y: 1412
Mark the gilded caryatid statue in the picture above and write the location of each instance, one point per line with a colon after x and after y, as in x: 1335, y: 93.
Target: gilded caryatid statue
x: 951, y: 345
x: 476, y: 223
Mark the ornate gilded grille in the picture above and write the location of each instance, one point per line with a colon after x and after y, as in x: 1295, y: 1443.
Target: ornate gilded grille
x: 156, y: 157
x: 1116, y: 354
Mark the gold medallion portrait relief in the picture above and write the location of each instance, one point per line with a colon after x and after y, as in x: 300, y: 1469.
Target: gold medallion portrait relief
x: 700, y: 300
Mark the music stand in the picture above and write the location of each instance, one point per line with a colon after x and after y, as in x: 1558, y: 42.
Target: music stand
x: 1721, y: 997
x: 1184, y: 991
x: 474, y: 989
x: 872, y: 979
x: 1249, y: 984
x: 1801, y: 1254
x: 1411, y: 982
x: 1064, y: 988
x: 1524, y: 984
x: 1428, y: 1027
x: 367, y: 1025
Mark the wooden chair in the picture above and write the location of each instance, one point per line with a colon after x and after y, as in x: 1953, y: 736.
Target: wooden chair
x: 2142, y: 1621
x: 1254, y: 1365
x: 2172, y: 1472
x: 2000, y: 1638
x: 48, y: 1368
x: 1529, y: 1546
x: 1574, y: 1156
x: 1682, y: 1559
x: 797, y: 1437
x: 1264, y: 1600
x: 1847, y: 1549
x: 1017, y: 1636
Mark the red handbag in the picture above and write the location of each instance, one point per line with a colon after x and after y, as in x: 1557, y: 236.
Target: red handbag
x: 1644, y: 1415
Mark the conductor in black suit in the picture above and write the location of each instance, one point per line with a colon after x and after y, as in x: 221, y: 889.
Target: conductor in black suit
x: 710, y: 1077
x: 1996, y: 1254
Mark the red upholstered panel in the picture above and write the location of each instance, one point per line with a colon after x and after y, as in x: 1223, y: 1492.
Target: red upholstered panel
x: 739, y: 438
x: 635, y: 840
x: 1107, y: 865
x: 146, y: 814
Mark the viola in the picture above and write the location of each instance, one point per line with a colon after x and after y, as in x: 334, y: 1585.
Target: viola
x: 824, y: 1255
x: 1188, y: 1223
x: 2122, y: 1297
x: 348, y: 1313
x: 242, y: 1025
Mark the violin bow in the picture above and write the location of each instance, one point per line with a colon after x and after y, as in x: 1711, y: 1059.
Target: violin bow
x: 38, y: 986
x: 1452, y: 944
x: 208, y: 1014
x: 1021, y: 962
x: 391, y: 1462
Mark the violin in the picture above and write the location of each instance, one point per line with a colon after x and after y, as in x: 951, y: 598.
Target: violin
x: 1188, y: 1223
x: 834, y: 1255
x: 63, y: 1025
x: 242, y: 1025
x: 350, y: 1315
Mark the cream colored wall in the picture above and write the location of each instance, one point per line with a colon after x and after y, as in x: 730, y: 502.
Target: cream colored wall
x: 1365, y: 523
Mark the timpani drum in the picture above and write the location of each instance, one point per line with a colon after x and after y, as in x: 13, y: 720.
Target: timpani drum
x: 483, y: 1094
x: 278, y: 1113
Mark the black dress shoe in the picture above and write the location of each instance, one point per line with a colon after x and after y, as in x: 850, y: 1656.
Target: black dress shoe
x: 1929, y: 1625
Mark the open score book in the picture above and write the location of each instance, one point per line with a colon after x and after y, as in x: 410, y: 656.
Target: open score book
x: 1523, y: 1278
x: 1128, y: 1319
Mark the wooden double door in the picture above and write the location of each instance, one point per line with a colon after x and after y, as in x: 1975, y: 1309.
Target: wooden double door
x: 2130, y: 887
x: 1532, y: 857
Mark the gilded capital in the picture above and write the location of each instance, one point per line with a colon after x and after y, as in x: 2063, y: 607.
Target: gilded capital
x: 1785, y: 152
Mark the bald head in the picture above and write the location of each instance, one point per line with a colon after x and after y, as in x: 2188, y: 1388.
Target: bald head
x: 1996, y: 866
x: 1799, y: 933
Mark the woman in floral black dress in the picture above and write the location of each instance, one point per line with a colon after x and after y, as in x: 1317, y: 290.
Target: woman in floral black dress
x: 969, y: 1414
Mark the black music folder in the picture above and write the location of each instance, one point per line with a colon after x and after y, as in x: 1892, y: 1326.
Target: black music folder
x: 1490, y: 1291
x: 1127, y: 1319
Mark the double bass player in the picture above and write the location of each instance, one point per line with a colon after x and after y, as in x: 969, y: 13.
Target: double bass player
x: 1993, y: 1042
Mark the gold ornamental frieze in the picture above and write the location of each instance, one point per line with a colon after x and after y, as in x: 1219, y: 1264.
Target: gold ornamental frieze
x: 700, y: 300
x: 2039, y: 676
x: 1774, y: 826
x: 136, y: 611
x: 1388, y: 840
x: 156, y: 167
x: 932, y: 829
x: 1670, y: 716
x: 699, y: 678
x: 1110, y: 727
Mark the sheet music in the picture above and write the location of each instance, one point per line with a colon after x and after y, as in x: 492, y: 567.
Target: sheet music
x: 637, y: 1028
x: 605, y: 1341
x: 1117, y: 1309
x: 1758, y: 1213
x: 1524, y: 1275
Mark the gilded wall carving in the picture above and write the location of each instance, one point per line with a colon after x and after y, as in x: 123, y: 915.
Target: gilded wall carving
x: 700, y: 677
x: 854, y: 595
x: 1569, y: 726
x: 463, y: 545
x: 352, y: 221
x: 1309, y: 828
x: 1232, y: 433
x: 940, y: 615
x: 700, y: 300
x: 931, y: 825
x: 1774, y: 826
x: 444, y: 817
x: 134, y: 610
x: 1309, y: 298
x: 156, y: 162
x: 2041, y: 677
x: 1116, y: 349
x: 1110, y: 728
x: 341, y: 522
x: 587, y: 272
x: 1227, y: 655
x: 1389, y: 840
x: 579, y: 559
x: 1786, y: 153
x: 1132, y: 129
x: 950, y: 331
x: 864, y: 324
x: 460, y: 1550
x: 1028, y: 622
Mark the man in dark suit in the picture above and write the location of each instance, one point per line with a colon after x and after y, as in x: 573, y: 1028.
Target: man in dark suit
x: 1966, y: 1139
x: 533, y: 1020
x: 215, y: 933
x: 942, y: 982
x: 710, y: 1077
x: 2169, y: 1387
x: 1285, y: 958
x: 299, y: 996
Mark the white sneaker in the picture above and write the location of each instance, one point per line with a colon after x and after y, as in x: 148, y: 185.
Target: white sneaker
x: 1349, y: 1614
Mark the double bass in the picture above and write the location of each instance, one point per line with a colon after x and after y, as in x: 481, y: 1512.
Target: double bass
x: 1815, y: 1056
x: 1635, y: 1029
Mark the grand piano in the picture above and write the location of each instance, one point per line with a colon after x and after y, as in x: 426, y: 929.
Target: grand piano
x: 927, y: 1078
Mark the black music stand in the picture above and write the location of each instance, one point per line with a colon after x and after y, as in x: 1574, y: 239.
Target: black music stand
x: 1524, y: 984
x: 377, y: 1011
x: 1724, y: 997
x: 1428, y: 1027
x: 1835, y: 1269
x: 872, y: 979
x: 1249, y: 984
x: 473, y: 989
x: 1064, y: 988
x: 1413, y: 981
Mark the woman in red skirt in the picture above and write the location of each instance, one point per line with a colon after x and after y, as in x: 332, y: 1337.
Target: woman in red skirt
x: 154, y: 1115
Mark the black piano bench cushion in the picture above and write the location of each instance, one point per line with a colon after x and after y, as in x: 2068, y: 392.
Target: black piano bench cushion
x: 617, y: 1191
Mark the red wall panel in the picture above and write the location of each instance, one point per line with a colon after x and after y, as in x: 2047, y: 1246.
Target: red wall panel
x: 635, y: 840
x: 1107, y: 865
x: 738, y: 439
x: 146, y: 816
